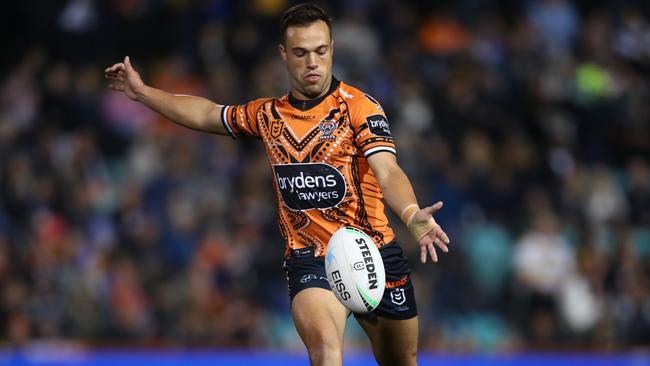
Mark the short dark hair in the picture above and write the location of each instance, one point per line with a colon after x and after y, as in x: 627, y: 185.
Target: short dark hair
x: 303, y: 15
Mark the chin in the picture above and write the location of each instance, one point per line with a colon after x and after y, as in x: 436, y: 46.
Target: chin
x: 312, y: 91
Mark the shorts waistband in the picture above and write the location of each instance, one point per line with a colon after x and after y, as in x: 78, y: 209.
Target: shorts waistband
x: 311, y: 251
x: 302, y: 252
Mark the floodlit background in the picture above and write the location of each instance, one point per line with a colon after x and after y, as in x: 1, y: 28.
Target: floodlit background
x: 530, y: 119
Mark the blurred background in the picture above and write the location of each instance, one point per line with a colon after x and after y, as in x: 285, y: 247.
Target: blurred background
x: 530, y: 119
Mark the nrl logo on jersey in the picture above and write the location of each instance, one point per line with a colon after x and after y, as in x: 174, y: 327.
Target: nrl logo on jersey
x: 276, y: 128
x: 327, y: 127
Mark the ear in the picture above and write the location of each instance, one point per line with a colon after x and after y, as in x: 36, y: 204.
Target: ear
x: 283, y: 52
x: 332, y: 47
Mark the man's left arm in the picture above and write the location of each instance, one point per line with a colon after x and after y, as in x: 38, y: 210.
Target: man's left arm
x: 400, y: 197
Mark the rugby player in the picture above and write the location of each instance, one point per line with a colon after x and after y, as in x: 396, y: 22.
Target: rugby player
x: 333, y: 160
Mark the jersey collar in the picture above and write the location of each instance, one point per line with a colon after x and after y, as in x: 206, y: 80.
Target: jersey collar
x: 307, y: 104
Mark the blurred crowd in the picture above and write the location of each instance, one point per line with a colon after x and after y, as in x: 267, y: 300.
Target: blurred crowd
x: 530, y: 119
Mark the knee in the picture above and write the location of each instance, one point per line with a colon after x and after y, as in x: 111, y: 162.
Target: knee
x: 410, y: 358
x: 324, y: 350
x: 401, y: 357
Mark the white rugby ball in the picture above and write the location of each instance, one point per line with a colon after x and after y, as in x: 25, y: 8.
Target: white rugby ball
x: 355, y: 270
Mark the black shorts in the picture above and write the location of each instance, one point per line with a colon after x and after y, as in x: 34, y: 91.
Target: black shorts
x: 303, y: 271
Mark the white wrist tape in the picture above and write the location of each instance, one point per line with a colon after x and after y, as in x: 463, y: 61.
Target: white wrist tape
x: 412, y: 207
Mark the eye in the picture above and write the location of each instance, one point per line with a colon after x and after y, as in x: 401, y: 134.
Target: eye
x: 321, y: 51
x: 299, y: 53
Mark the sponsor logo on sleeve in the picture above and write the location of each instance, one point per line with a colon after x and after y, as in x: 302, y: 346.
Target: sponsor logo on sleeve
x: 309, y: 186
x: 378, y: 125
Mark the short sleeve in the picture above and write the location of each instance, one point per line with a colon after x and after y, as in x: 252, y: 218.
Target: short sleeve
x: 372, y: 131
x: 241, y: 120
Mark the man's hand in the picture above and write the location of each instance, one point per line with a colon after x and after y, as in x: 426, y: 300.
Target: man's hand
x: 427, y: 231
x: 397, y: 191
x: 124, y: 78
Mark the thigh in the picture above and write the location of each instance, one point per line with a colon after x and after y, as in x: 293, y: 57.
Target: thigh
x: 318, y: 316
x: 320, y: 321
x: 394, y: 342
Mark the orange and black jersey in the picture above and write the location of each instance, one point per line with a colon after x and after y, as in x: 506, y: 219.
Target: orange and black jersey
x: 318, y: 152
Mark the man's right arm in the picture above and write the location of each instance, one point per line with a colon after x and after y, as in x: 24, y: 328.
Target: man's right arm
x: 186, y: 110
x: 189, y: 111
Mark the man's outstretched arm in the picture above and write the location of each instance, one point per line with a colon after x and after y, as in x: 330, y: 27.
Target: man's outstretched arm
x: 399, y: 195
x: 189, y: 111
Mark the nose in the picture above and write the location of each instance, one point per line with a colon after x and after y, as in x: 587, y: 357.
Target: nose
x: 311, y: 61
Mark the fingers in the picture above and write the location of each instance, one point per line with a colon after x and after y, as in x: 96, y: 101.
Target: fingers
x: 440, y: 244
x: 115, y: 72
x: 442, y: 235
x: 440, y: 238
x: 116, y: 86
x: 423, y: 253
x: 127, y: 63
x: 431, y: 209
x: 424, y: 246
x: 123, y: 67
x: 432, y: 251
x: 119, y: 76
x: 115, y: 68
x: 435, y: 236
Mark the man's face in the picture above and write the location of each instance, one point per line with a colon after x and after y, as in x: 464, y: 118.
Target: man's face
x: 307, y: 51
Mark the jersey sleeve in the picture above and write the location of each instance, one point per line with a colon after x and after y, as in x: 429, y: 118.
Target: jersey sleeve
x: 241, y: 120
x: 369, y: 122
